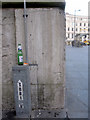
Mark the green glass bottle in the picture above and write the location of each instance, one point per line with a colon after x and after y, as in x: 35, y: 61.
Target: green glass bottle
x: 20, y: 55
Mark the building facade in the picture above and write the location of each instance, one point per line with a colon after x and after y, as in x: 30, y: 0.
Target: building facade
x: 46, y: 53
x: 76, y: 27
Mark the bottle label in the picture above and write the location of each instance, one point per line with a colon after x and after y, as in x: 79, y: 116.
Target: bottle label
x: 19, y: 48
x: 20, y: 58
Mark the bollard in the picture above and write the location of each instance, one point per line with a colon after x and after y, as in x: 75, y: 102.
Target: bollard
x: 21, y: 81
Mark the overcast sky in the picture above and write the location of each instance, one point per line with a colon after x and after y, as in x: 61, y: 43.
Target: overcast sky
x: 72, y: 5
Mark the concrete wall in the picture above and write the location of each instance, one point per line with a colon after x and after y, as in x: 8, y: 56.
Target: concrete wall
x: 46, y: 37
x: 8, y: 57
x: 0, y: 63
x: 45, y: 31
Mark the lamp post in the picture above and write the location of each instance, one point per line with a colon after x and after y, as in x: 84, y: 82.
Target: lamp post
x: 75, y: 21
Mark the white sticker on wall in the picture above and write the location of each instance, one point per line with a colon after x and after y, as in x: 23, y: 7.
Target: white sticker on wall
x: 20, y: 90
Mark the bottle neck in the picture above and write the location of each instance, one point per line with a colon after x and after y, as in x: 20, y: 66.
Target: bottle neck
x: 19, y: 50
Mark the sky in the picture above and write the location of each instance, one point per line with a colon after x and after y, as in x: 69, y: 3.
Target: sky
x: 72, y: 5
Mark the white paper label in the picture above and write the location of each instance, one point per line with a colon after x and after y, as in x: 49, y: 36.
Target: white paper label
x: 20, y: 58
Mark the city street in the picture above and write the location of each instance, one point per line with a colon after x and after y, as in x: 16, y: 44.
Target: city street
x: 77, y: 82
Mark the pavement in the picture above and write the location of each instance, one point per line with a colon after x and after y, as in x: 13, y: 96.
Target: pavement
x: 76, y: 103
x: 76, y: 95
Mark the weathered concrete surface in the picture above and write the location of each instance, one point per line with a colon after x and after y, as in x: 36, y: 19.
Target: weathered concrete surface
x: 46, y: 31
x: 0, y: 63
x: 8, y: 57
x: 46, y: 35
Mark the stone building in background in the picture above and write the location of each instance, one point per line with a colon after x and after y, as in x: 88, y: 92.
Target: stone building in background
x: 81, y: 27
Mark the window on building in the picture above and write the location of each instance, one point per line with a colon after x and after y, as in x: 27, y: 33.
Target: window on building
x: 68, y: 35
x: 80, y: 24
x: 68, y: 29
x: 72, y: 35
x: 84, y: 24
x: 88, y: 29
x: 72, y: 29
x: 76, y: 29
x: 76, y: 24
x: 84, y: 29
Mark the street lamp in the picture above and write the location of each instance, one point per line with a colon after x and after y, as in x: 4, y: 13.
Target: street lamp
x: 75, y: 21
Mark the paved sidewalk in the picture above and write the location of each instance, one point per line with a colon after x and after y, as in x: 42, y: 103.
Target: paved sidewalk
x: 77, y: 82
